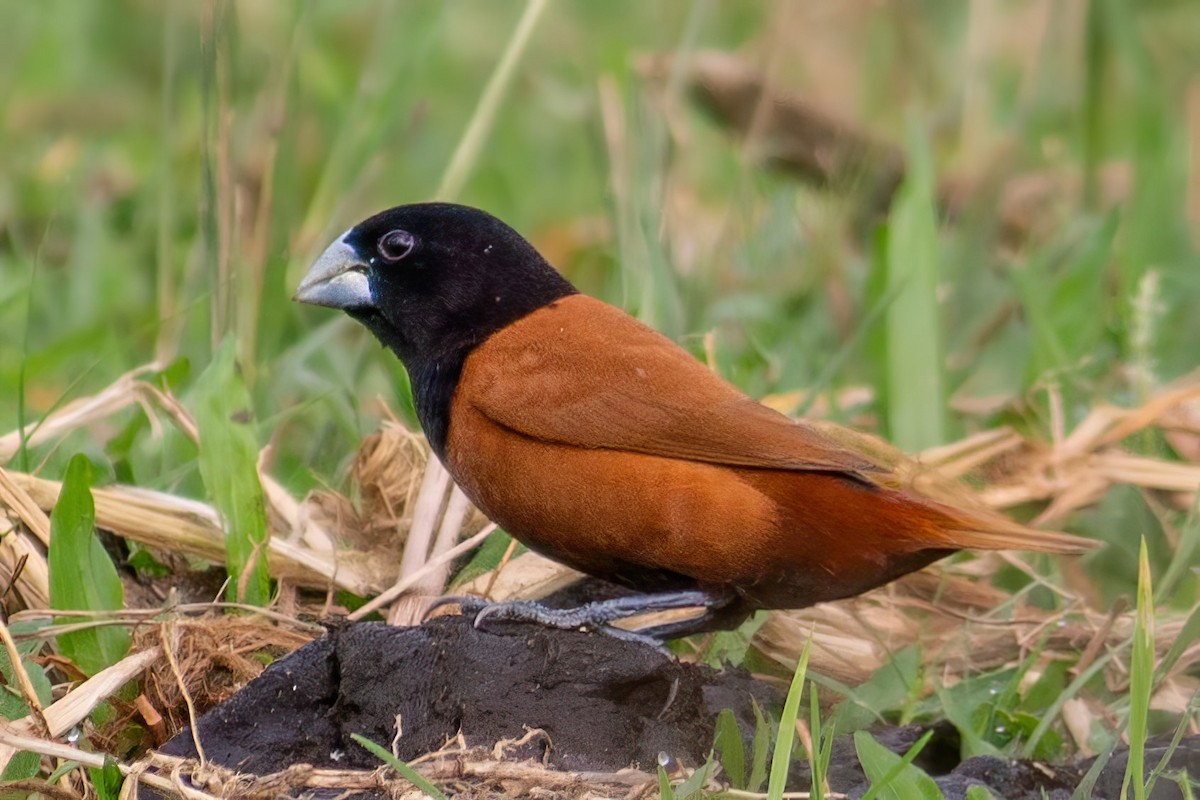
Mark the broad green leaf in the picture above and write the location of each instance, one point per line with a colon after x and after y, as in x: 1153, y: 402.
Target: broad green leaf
x: 486, y: 557
x: 731, y: 749
x: 762, y: 743
x: 979, y: 793
x: 730, y: 647
x: 12, y: 704
x: 894, y: 777
x: 228, y: 458
x: 82, y: 577
x: 22, y: 766
x: 107, y: 780
x: 890, y: 689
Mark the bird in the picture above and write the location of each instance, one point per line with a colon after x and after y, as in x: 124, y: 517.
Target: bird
x: 604, y: 445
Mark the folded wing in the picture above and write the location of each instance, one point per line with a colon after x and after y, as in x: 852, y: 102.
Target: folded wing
x: 557, y: 376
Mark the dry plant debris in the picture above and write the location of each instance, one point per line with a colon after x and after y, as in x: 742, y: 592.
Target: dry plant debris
x: 216, y: 655
x: 470, y: 773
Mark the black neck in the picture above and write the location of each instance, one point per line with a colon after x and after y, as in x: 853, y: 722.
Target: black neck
x: 433, y: 385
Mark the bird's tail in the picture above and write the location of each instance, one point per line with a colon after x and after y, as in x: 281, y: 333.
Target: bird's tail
x: 974, y: 526
x: 1008, y: 535
x: 952, y: 516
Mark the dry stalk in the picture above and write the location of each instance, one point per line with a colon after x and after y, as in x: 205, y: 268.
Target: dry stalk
x: 23, y: 565
x: 1083, y: 464
x: 136, y: 616
x: 526, y: 577
x: 799, y: 136
x: 430, y: 567
x: 122, y: 393
x: 189, y: 527
x: 170, y: 641
x: 38, y: 718
x: 17, y: 498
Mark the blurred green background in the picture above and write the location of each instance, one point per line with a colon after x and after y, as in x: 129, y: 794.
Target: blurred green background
x: 169, y: 169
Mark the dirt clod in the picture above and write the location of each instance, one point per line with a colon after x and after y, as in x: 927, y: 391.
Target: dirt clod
x: 604, y: 704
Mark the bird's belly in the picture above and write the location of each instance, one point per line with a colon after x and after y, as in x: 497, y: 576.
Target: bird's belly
x: 611, y: 513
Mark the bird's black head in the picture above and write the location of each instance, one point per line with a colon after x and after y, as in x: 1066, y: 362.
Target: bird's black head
x: 432, y: 281
x: 432, y: 278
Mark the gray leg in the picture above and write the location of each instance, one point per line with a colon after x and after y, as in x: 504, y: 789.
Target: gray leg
x: 599, y: 615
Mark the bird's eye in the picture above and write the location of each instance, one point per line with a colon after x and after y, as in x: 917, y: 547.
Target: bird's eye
x: 395, y: 245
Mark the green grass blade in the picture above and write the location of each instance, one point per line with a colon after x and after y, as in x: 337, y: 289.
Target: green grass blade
x: 1141, y: 679
x: 228, y: 458
x: 471, y: 144
x: 1066, y: 300
x: 1084, y: 790
x: 665, y: 792
x: 693, y: 787
x: 781, y: 760
x: 82, y: 576
x: 1164, y: 763
x: 405, y: 770
x: 819, y: 765
x: 913, y: 369
x: 1097, y: 50
x: 1188, y: 635
x: 1184, y: 559
x: 22, y: 451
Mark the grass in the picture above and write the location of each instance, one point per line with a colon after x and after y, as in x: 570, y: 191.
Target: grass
x: 404, y: 769
x: 782, y: 758
x: 169, y: 172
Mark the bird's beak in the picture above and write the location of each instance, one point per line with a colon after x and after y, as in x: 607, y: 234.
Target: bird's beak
x: 338, y: 279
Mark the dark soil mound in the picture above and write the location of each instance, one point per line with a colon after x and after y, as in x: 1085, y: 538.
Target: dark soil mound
x: 601, y: 705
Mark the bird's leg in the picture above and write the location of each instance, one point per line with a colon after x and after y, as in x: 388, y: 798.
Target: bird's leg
x: 600, y: 614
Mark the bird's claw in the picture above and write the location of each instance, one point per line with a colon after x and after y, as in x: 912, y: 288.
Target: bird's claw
x: 468, y: 604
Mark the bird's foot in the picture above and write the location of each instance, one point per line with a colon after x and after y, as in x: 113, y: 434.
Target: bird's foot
x: 597, y: 616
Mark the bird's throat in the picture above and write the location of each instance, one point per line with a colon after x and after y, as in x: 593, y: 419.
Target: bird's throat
x: 433, y: 385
